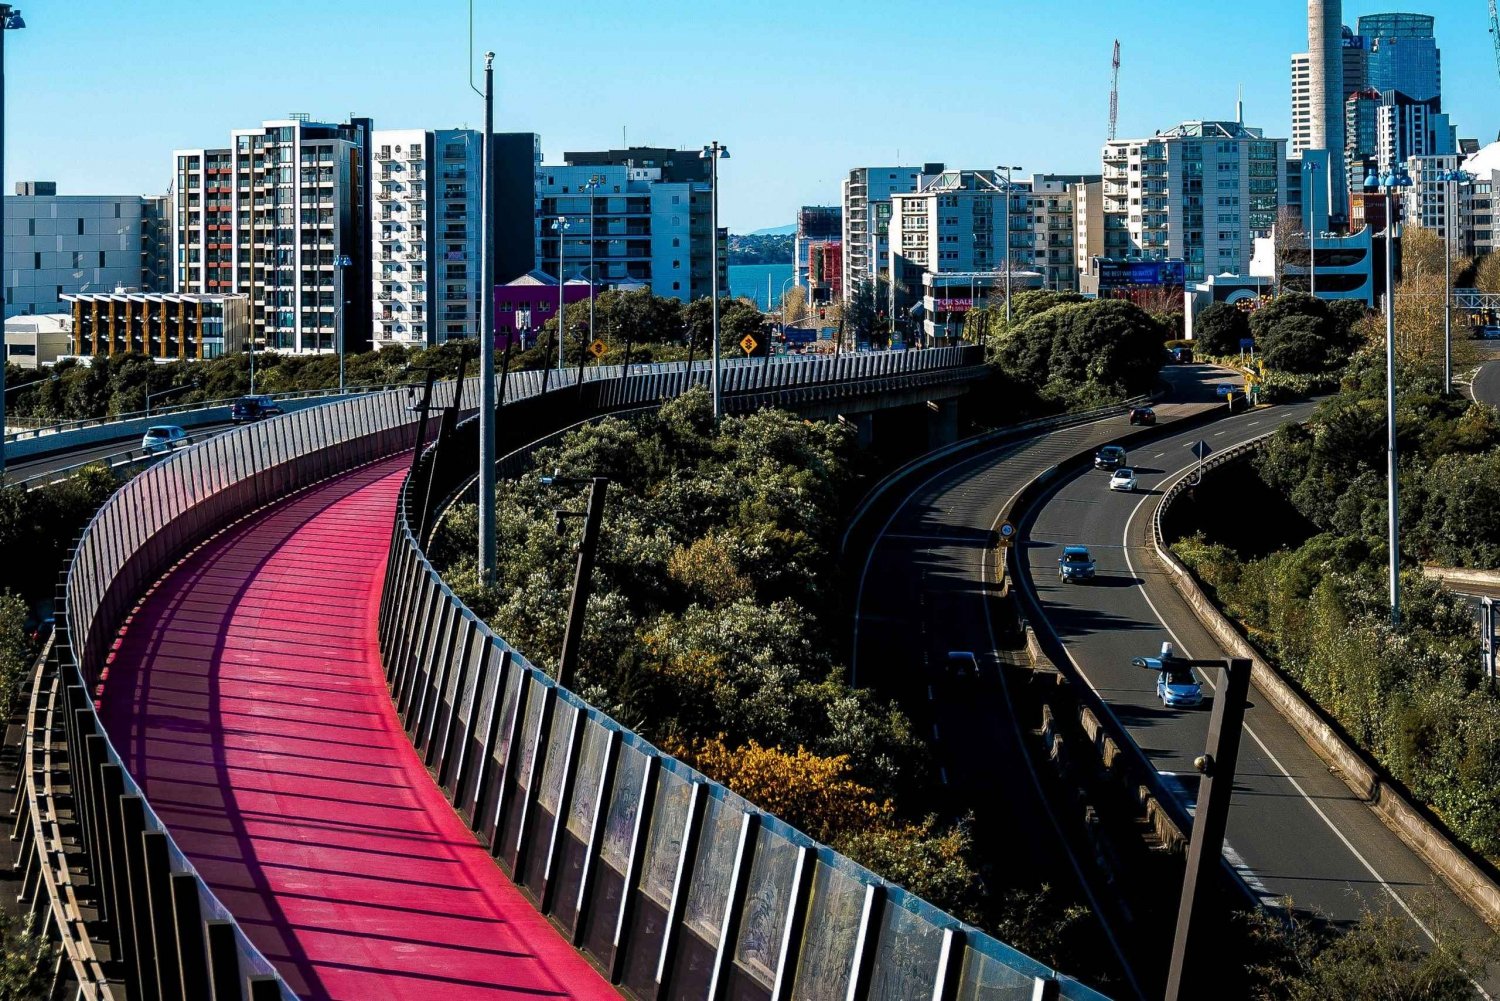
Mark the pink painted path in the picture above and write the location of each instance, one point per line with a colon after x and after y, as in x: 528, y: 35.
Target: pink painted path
x: 248, y: 700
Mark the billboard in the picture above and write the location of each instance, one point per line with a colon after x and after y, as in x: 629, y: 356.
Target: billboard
x: 1116, y: 273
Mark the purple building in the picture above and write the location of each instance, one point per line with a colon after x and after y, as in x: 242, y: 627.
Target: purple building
x: 523, y: 306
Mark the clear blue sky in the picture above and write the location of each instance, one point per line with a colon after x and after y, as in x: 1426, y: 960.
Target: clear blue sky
x: 101, y: 93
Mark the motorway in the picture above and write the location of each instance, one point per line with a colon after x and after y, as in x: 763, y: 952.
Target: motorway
x: 925, y: 591
x: 1486, y: 385
x: 1295, y: 829
x: 114, y: 450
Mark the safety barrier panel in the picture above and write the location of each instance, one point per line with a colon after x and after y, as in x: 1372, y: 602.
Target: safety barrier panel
x: 134, y: 917
x: 673, y: 886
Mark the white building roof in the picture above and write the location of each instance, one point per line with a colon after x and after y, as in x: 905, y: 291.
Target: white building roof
x: 40, y: 323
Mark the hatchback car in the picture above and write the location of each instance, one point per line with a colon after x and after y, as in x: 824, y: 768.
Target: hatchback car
x: 1075, y: 564
x: 1176, y: 685
x: 253, y: 408
x: 1142, y: 415
x: 1123, y: 479
x: 164, y: 438
x: 1109, y: 457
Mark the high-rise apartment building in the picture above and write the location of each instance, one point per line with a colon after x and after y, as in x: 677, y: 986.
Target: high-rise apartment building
x: 1405, y: 128
x: 867, y: 193
x: 651, y: 215
x: 1404, y: 56
x: 1438, y: 205
x: 272, y: 216
x: 60, y: 244
x: 955, y: 222
x: 1201, y: 191
x: 815, y: 224
x: 1088, y: 224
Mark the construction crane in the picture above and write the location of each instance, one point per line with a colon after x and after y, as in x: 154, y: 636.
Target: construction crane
x: 1114, y: 82
x: 1495, y: 32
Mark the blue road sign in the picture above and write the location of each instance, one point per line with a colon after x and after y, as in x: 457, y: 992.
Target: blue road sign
x: 1247, y: 344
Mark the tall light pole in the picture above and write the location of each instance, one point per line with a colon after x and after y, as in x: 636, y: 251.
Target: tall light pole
x: 1005, y: 202
x: 592, y: 186
x: 1450, y: 218
x: 339, y: 264
x: 487, y: 405
x: 714, y: 153
x: 1310, y: 168
x: 10, y: 20
x: 560, y: 226
x: 1391, y: 184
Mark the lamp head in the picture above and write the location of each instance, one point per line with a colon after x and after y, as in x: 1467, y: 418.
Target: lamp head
x: 14, y: 20
x: 1372, y: 181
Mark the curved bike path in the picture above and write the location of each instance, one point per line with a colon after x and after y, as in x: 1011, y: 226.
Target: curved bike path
x: 247, y: 697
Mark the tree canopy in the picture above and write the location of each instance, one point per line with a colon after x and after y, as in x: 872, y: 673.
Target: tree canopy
x: 1081, y: 351
x: 1219, y: 329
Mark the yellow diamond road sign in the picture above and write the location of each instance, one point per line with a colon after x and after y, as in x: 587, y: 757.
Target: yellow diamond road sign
x: 598, y: 348
x: 749, y: 344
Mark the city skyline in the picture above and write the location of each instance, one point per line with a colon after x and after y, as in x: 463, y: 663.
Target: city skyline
x: 775, y: 91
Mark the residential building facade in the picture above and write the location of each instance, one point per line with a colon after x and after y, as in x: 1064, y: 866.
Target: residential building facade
x: 867, y: 213
x: 167, y: 326
x: 651, y: 212
x: 815, y: 224
x: 1052, y: 207
x: 1202, y: 191
x: 954, y: 222
x: 57, y: 244
x: 271, y: 216
x: 1406, y: 127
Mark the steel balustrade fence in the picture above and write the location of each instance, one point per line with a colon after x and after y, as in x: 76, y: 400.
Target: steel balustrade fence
x: 672, y: 885
x: 609, y: 830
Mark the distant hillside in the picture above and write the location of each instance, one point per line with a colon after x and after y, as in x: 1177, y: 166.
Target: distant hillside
x: 790, y: 229
x: 757, y: 248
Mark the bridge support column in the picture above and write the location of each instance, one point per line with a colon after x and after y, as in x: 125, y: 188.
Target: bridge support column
x: 942, y: 423
x: 864, y: 428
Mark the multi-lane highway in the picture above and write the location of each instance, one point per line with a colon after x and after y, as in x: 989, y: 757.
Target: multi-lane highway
x: 924, y: 594
x: 1486, y: 385
x: 122, y: 448
x: 1295, y: 829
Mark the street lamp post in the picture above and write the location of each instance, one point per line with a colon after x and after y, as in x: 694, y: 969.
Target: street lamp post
x: 1005, y: 237
x: 560, y: 226
x: 488, y: 406
x: 583, y: 575
x: 1309, y: 168
x: 339, y: 264
x: 714, y: 153
x: 10, y: 20
x: 1454, y: 177
x: 1391, y: 184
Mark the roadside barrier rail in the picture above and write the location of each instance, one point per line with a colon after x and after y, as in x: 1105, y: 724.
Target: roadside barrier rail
x: 135, y: 918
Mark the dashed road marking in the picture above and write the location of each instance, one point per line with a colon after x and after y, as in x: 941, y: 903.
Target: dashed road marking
x: 934, y: 731
x: 931, y: 694
x: 943, y: 775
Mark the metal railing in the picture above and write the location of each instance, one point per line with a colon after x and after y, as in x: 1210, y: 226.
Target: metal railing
x: 137, y: 920
x: 668, y: 882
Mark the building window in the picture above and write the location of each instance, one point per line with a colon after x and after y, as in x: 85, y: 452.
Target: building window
x: 101, y: 258
x: 80, y: 227
x: 677, y: 286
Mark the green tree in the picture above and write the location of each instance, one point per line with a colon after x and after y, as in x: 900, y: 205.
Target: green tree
x: 1084, y: 351
x: 1297, y: 333
x: 1219, y: 329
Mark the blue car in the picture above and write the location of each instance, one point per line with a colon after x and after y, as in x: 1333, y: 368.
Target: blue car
x: 1075, y: 564
x: 1176, y: 685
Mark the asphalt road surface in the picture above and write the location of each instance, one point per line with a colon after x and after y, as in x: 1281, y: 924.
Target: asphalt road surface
x: 1486, y: 385
x: 1295, y: 829
x: 118, y: 449
x: 923, y: 594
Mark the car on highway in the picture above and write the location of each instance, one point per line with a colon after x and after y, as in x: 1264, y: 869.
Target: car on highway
x: 963, y: 665
x: 1142, y: 415
x: 1109, y: 457
x: 164, y: 438
x: 253, y: 408
x: 1075, y: 563
x: 1177, y: 686
x: 1123, y: 479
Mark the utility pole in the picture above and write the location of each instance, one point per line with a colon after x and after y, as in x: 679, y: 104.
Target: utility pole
x: 714, y: 152
x: 488, y: 411
x: 1206, y: 846
x: 583, y: 575
x: 10, y: 19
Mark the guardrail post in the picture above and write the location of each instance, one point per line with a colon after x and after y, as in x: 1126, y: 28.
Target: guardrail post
x: 864, y: 949
x: 158, y: 865
x: 427, y: 718
x: 595, y: 841
x: 223, y: 961
x: 445, y: 767
x: 440, y: 746
x: 734, y: 904
x: 950, y: 965
x: 116, y: 879
x: 191, y: 942
x: 264, y: 988
x: 796, y: 920
x: 638, y: 846
x: 1045, y: 989
x: 487, y: 748
x: 564, y: 796
x: 507, y: 767
x: 143, y: 961
x: 533, y: 776
x: 692, y: 829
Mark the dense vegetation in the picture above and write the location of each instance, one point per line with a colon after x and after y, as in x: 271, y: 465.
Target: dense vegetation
x: 1080, y: 353
x: 1412, y: 697
x: 712, y: 629
x: 761, y: 248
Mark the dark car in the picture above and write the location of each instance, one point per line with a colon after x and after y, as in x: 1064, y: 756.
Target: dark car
x: 1109, y: 457
x: 1075, y: 563
x: 253, y: 408
x: 1142, y: 415
x: 1182, y: 356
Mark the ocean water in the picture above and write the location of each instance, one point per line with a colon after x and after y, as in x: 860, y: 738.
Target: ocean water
x: 749, y: 281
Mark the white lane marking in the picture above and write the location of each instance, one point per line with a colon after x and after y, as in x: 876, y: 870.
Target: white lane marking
x: 1235, y: 858
x: 943, y: 774
x: 934, y: 731
x: 1158, y: 455
x: 931, y: 695
x: 1219, y: 434
x: 1253, y: 424
x: 1182, y: 648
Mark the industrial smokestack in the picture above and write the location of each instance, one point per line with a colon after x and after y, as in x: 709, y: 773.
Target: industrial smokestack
x: 1325, y: 49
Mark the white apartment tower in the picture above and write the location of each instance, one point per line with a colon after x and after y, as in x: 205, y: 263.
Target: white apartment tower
x: 426, y: 231
x: 1202, y: 191
x: 867, y: 213
x: 273, y: 216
